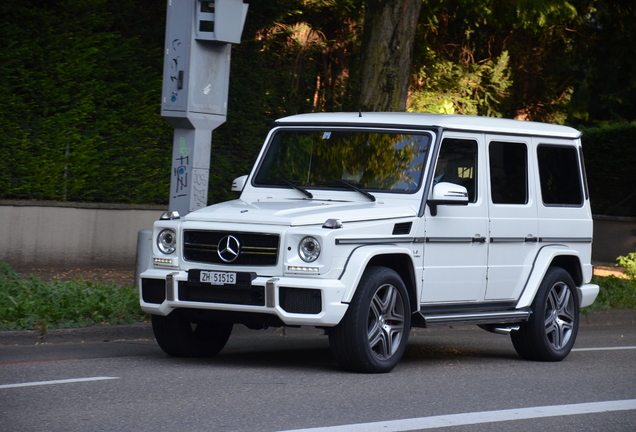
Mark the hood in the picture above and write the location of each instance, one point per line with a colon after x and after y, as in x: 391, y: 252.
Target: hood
x: 298, y: 212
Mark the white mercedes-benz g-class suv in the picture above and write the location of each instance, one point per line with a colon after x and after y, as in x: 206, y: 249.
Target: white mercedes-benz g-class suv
x: 368, y: 224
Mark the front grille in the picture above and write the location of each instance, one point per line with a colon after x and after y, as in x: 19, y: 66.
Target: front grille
x: 298, y: 300
x: 254, y: 250
x: 153, y: 290
x: 252, y: 296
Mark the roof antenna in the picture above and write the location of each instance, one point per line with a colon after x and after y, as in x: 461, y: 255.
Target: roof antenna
x: 359, y: 112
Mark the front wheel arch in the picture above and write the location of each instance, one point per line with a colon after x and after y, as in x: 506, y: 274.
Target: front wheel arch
x: 372, y: 336
x: 403, y: 266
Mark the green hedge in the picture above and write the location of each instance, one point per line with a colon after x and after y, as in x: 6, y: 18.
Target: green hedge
x: 610, y: 160
x: 81, y: 93
x: 82, y: 87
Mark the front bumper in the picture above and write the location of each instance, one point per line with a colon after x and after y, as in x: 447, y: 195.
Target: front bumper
x: 294, y: 300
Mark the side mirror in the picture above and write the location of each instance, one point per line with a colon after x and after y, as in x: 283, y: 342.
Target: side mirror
x: 447, y: 194
x: 239, y: 183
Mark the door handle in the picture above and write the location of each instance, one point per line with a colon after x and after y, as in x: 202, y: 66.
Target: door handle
x: 478, y: 239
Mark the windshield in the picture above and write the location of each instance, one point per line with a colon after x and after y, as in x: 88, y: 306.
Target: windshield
x: 370, y: 160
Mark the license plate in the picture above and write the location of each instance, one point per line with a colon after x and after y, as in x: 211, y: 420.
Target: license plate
x: 218, y: 278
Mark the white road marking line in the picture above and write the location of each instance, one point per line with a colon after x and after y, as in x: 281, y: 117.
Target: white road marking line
x: 604, y: 349
x: 66, y: 381
x: 479, y: 417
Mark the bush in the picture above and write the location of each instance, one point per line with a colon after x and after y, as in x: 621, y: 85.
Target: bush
x: 610, y: 155
x: 32, y: 304
x: 615, y: 293
x: 629, y: 262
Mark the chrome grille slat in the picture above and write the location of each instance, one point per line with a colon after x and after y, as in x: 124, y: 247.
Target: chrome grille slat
x: 256, y: 249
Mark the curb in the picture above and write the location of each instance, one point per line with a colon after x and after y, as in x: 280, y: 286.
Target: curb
x: 609, y: 317
x: 143, y: 331
x: 96, y: 333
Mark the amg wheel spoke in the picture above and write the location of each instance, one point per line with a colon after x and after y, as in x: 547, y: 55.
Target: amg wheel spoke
x: 557, y: 336
x: 385, y: 321
x: 385, y: 298
x: 550, y: 324
x: 566, y: 305
x: 378, y: 340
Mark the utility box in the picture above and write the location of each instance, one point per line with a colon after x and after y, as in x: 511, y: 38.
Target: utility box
x: 199, y: 35
x: 216, y: 20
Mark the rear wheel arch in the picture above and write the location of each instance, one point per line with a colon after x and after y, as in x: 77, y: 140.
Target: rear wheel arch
x: 572, y: 265
x: 550, y: 256
x: 551, y: 331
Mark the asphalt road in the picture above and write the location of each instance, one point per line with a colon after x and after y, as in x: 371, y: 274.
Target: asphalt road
x: 451, y: 379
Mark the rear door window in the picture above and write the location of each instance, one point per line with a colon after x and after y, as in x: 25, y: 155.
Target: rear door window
x: 508, y: 172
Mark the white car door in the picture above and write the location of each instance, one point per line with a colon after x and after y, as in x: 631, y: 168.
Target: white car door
x: 514, y: 229
x: 456, y: 244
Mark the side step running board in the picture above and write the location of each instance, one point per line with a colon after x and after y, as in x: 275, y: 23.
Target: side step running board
x: 490, y: 317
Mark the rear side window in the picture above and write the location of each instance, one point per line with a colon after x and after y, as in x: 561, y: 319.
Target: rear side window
x: 560, y: 176
x: 508, y: 172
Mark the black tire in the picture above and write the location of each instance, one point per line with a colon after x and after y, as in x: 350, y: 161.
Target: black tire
x: 372, y: 336
x: 179, y: 336
x: 550, y: 332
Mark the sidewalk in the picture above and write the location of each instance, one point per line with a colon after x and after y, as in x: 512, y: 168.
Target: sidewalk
x: 143, y: 331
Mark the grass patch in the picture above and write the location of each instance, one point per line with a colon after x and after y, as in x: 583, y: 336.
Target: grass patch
x: 615, y: 293
x: 28, y: 303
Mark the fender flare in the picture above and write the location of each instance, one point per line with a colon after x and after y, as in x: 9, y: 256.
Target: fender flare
x: 542, y: 262
x: 359, y: 260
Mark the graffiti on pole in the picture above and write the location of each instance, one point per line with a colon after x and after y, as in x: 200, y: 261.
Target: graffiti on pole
x: 181, y: 169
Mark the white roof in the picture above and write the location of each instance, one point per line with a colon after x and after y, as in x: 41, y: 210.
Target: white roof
x: 447, y: 121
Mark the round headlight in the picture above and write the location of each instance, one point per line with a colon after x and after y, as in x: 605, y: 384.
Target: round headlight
x: 309, y: 249
x: 166, y: 241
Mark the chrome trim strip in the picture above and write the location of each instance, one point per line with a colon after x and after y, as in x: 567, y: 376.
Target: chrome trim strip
x: 566, y: 239
x: 449, y: 239
x: 507, y: 239
x: 541, y: 239
x: 385, y: 240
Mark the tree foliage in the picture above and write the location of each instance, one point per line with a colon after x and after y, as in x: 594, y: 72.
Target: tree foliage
x: 610, y: 157
x: 82, y: 79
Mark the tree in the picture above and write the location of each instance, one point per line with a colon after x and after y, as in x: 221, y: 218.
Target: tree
x: 604, y: 68
x: 387, y: 54
x: 490, y: 57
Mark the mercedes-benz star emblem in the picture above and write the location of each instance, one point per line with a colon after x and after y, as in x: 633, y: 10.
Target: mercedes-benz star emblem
x: 229, y: 248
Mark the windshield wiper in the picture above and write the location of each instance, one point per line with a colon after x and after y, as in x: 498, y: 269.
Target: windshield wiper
x: 356, y: 188
x: 291, y: 184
